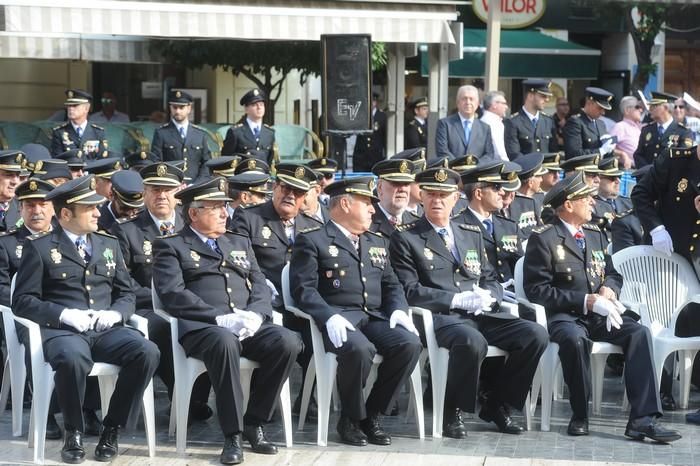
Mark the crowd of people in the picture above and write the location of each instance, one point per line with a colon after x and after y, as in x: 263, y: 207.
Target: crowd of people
x: 89, y: 233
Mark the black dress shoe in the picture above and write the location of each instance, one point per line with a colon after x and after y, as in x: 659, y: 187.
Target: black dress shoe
x: 73, y: 451
x: 199, y: 411
x: 258, y: 442
x: 92, y: 422
x: 667, y: 402
x: 693, y: 418
x: 311, y: 409
x: 453, y: 425
x: 232, y: 452
x: 53, y: 432
x: 647, y: 427
x: 500, y: 415
x: 350, y: 432
x: 577, y: 427
x: 376, y: 435
x: 108, y: 446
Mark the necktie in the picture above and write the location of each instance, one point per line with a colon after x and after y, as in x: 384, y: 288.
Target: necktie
x: 167, y: 228
x: 534, y: 122
x: 355, y: 240
x: 3, y: 210
x: 394, y: 220
x: 488, y: 224
x: 211, y: 242
x: 81, y: 245
x: 467, y: 130
x: 182, y: 132
x: 256, y: 132
x: 445, y: 235
x: 580, y: 240
x: 289, y: 229
x: 79, y: 131
x: 612, y: 204
x: 661, y: 131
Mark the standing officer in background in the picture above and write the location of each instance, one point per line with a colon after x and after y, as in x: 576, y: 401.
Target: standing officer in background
x: 211, y: 282
x: 179, y: 139
x: 357, y: 305
x: 583, y: 132
x: 530, y: 130
x: 416, y: 132
x: 568, y: 270
x: 251, y: 136
x: 661, y: 133
x: 73, y: 282
x: 443, y: 267
x: 10, y: 168
x: 78, y: 132
x: 371, y: 148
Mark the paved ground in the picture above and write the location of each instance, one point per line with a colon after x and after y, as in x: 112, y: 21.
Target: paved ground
x: 484, y: 446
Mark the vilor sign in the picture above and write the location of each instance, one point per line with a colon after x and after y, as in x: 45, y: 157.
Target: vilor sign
x: 514, y: 13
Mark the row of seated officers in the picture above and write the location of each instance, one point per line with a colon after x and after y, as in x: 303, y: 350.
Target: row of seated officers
x: 81, y: 286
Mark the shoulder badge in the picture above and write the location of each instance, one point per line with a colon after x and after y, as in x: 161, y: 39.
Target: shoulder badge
x: 268, y: 126
x: 59, y: 127
x: 38, y: 235
x: 238, y: 125
x: 590, y: 226
x: 10, y: 231
x: 375, y: 233
x: 307, y: 230
x: 104, y: 233
x: 469, y: 227
x: 171, y: 235
x: 625, y: 213
x: 123, y: 220
x: 406, y: 226
x: 97, y: 126
x: 513, y: 115
x: 542, y: 228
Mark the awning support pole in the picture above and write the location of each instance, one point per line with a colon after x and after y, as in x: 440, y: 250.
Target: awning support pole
x: 493, y: 45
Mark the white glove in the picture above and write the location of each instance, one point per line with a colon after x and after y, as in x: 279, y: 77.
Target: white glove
x: 106, y: 319
x: 272, y: 288
x: 401, y: 318
x: 609, y: 310
x: 607, y: 147
x: 485, y: 295
x: 233, y: 322
x: 507, y: 283
x: 77, y: 318
x: 251, y: 324
x: 661, y: 240
x: 467, y: 301
x: 337, y: 327
x: 510, y: 296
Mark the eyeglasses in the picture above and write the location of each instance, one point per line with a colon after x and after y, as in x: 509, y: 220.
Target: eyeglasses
x: 501, y: 102
x: 106, y: 101
x: 329, y: 176
x: 680, y: 106
x: 492, y: 186
x: 639, y: 107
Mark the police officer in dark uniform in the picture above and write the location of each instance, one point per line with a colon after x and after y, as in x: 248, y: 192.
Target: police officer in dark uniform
x: 416, y: 132
x: 443, y: 267
x: 359, y: 306
x: 393, y: 193
x: 312, y: 206
x: 530, y: 130
x: 11, y: 164
x: 626, y: 229
x: 127, y: 199
x: 371, y: 148
x: 661, y: 133
x: 568, y: 271
x: 249, y: 186
x: 73, y: 283
x: 223, y: 166
x: 251, y: 136
x: 137, y: 159
x: 76, y: 161
x: 180, y: 139
x: 526, y: 208
x: 584, y: 131
x: 78, y: 132
x: 608, y: 202
x: 211, y: 282
x: 328, y: 167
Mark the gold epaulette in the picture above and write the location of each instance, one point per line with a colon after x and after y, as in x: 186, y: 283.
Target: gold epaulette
x: 104, y: 233
x: 38, y: 235
x: 542, y: 228
x: 406, y: 226
x: 307, y: 230
x: 590, y: 226
x: 470, y: 227
x: 97, y: 126
x: 625, y: 213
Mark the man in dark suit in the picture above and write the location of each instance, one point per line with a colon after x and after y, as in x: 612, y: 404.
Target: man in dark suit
x: 661, y: 133
x: 443, y: 267
x: 608, y: 202
x: 78, y: 132
x: 530, y: 130
x: 583, y: 132
x: 393, y: 191
x: 568, y: 271
x: 371, y: 148
x: 180, y: 139
x: 463, y: 133
x: 340, y: 274
x: 211, y: 282
x: 127, y: 199
x: 416, y: 132
x: 73, y: 283
x: 251, y: 136
x: 10, y: 169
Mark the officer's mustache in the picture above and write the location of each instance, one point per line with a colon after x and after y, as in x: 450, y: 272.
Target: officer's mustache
x: 37, y: 217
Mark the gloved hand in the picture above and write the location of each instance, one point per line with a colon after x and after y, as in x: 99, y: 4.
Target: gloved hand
x: 661, y: 240
x: 251, y: 324
x: 467, y: 301
x: 105, y: 319
x: 233, y: 322
x: 485, y: 295
x: 607, y: 147
x: 272, y: 288
x: 337, y: 327
x: 76, y: 318
x: 508, y: 283
x: 401, y: 318
x: 609, y: 310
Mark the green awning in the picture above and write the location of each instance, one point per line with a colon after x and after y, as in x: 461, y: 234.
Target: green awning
x: 524, y: 54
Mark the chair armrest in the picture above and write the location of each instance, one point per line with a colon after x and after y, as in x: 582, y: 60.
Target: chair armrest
x: 510, y: 308
x: 540, y: 314
x: 139, y: 323
x: 33, y: 329
x: 277, y: 318
x: 297, y: 312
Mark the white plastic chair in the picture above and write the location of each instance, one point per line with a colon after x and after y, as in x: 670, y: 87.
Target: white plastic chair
x: 439, y: 361
x: 43, y: 384
x: 187, y: 369
x: 15, y: 372
x: 549, y: 363
x: 664, y: 285
x: 325, y: 369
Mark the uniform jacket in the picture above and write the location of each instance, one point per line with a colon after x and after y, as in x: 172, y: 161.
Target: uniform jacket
x: 582, y: 135
x: 11, y: 246
x: 521, y: 137
x: 262, y: 224
x: 136, y: 237
x: 168, y: 146
x: 241, y: 140
x: 328, y: 276
x: 416, y: 134
x: 52, y: 276
x: 64, y: 138
x: 370, y: 149
x: 558, y: 275
x: 626, y: 230
x: 650, y: 146
x: 526, y: 213
x: 450, y: 140
x: 12, y: 217
x: 382, y: 225
x: 195, y: 284
x: 107, y: 217
x: 604, y: 213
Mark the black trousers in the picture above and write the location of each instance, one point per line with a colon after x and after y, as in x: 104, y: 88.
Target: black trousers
x: 302, y: 327
x: 72, y: 357
x: 400, y: 350
x: 275, y: 348
x: 575, y: 339
x: 687, y: 325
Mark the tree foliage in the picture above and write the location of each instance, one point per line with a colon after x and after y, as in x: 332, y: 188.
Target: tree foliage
x: 651, y: 20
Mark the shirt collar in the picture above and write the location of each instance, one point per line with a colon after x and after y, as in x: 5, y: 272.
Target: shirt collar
x: 480, y: 217
x: 419, y: 120
x: 572, y: 229
x: 462, y: 119
x: 342, y: 229
x: 530, y: 115
x: 667, y: 124
x: 204, y: 239
x: 253, y: 124
x: 387, y: 213
x: 82, y: 127
x: 437, y: 229
x: 158, y: 221
x: 183, y: 125
x: 73, y: 237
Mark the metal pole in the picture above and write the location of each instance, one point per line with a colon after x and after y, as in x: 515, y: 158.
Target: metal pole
x: 493, y: 45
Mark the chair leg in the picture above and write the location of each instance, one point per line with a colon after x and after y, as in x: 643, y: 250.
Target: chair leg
x: 686, y: 368
x: 107, y: 384
x: 306, y: 393
x: 172, y: 424
x: 549, y: 369
x: 597, y: 371
x: 417, y: 399
x: 182, y: 399
x: 438, y: 374
x: 149, y: 419
x: 286, y: 408
x: 14, y: 378
x: 527, y: 413
x: 325, y: 382
x: 43, y: 387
